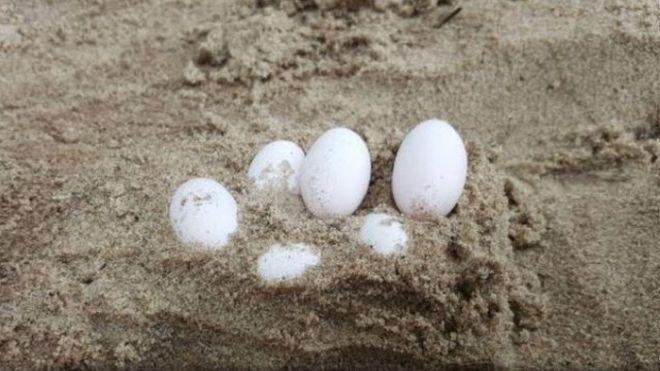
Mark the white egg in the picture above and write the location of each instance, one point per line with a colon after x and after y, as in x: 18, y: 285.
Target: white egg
x: 286, y: 262
x: 334, y: 177
x: 277, y: 164
x: 384, y: 234
x: 429, y: 171
x: 203, y: 213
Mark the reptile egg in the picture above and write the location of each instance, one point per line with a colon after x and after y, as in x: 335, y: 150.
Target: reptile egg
x: 286, y: 262
x: 335, y: 174
x: 429, y: 171
x: 203, y: 213
x: 384, y: 234
x: 277, y: 164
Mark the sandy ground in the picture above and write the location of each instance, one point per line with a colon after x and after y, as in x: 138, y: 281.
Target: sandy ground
x: 551, y: 259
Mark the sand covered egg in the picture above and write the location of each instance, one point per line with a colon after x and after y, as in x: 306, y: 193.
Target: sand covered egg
x: 430, y: 170
x: 277, y: 164
x: 384, y: 234
x: 203, y: 213
x: 334, y: 177
x: 286, y: 262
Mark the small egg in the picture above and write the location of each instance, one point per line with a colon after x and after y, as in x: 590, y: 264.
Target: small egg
x: 384, y: 234
x: 277, y: 164
x: 334, y: 177
x: 429, y: 171
x: 203, y: 213
x: 286, y: 262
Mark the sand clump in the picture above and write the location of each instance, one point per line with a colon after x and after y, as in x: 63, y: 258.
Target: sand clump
x: 300, y: 39
x: 599, y: 149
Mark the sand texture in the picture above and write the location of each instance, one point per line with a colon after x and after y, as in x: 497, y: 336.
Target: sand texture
x: 550, y: 260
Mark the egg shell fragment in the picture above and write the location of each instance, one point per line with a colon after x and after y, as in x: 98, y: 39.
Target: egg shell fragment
x: 277, y: 164
x: 286, y: 262
x: 335, y: 175
x: 430, y: 170
x: 384, y: 234
x: 203, y: 213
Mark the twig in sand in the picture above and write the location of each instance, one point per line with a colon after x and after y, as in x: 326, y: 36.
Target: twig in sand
x: 448, y: 17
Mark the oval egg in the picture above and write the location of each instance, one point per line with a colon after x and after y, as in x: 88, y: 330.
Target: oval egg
x: 286, y: 262
x: 203, y: 213
x: 430, y: 170
x: 384, y: 234
x: 277, y: 165
x: 334, y: 177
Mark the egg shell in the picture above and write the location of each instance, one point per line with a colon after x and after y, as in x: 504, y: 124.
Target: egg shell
x: 384, y: 234
x: 430, y: 170
x: 335, y: 175
x: 203, y: 213
x: 286, y: 262
x: 277, y: 165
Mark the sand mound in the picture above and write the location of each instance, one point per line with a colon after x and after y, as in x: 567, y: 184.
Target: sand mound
x: 456, y: 291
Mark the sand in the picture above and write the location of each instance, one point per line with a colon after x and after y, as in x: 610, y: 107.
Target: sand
x: 550, y: 260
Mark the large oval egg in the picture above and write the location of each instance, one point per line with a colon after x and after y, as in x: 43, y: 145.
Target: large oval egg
x: 277, y: 165
x: 334, y: 177
x: 430, y: 170
x: 203, y: 213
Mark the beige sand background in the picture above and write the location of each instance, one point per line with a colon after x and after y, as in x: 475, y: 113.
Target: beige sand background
x: 551, y: 259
